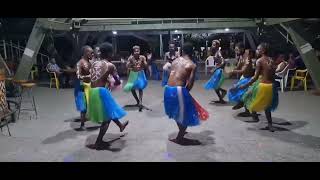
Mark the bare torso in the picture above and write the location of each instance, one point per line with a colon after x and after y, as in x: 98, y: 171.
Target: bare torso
x: 265, y: 69
x: 137, y: 64
x: 100, y: 72
x: 83, y: 70
x: 181, y: 70
x: 247, y: 68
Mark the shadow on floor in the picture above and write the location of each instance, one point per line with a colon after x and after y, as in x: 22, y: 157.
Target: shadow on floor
x: 115, y: 141
x: 287, y: 135
x: 131, y: 107
x: 70, y: 133
x: 203, y: 137
x: 76, y: 119
x: 157, y: 111
x: 203, y: 152
x: 220, y: 105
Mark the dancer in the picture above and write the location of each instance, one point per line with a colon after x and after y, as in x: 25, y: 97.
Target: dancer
x: 247, y: 72
x: 263, y: 94
x: 152, y: 67
x: 103, y: 108
x: 82, y: 84
x: 178, y: 102
x: 217, y: 78
x: 169, y: 57
x: 137, y: 78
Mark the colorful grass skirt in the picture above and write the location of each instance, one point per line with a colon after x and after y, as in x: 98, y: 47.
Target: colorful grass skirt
x: 235, y: 94
x: 215, y: 81
x: 261, y: 97
x: 81, y: 95
x: 136, y: 80
x: 102, y: 106
x: 180, y: 106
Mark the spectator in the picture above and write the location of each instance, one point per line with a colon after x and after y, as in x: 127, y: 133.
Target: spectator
x: 53, y: 67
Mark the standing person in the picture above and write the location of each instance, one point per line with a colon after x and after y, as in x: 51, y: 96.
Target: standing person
x: 178, y: 103
x: 217, y: 78
x: 263, y: 94
x: 152, y: 67
x: 235, y: 94
x: 137, y: 78
x: 169, y: 57
x: 103, y: 108
x: 82, y: 83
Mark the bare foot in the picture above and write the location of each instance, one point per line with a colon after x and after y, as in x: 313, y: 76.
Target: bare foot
x: 220, y: 102
x: 124, y: 126
x: 223, y: 94
x: 81, y: 128
x: 270, y: 128
x: 244, y: 114
x: 102, y: 145
x: 186, y: 142
x: 238, y: 106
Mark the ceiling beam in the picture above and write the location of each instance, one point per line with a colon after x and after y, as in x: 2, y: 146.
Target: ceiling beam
x: 272, y: 21
x: 169, y: 26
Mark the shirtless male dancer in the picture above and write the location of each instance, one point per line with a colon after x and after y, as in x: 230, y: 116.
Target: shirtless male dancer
x: 82, y: 83
x: 103, y: 108
x: 263, y: 94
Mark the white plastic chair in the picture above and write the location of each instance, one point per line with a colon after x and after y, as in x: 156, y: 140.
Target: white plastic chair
x: 284, y: 77
x: 209, y: 63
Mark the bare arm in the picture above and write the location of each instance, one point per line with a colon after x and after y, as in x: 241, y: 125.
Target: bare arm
x: 115, y: 75
x: 129, y: 63
x: 144, y: 62
x: 255, y: 77
x: 190, y: 81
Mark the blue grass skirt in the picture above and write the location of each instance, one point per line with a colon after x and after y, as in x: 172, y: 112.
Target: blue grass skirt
x: 179, y: 105
x: 103, y: 107
x: 136, y: 80
x: 235, y: 93
x: 215, y: 81
x: 79, y: 96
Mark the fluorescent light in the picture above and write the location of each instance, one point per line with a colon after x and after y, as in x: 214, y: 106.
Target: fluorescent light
x: 178, y: 37
x: 176, y: 31
x: 114, y: 32
x: 226, y: 29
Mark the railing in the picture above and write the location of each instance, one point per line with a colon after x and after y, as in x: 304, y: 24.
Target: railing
x: 17, y: 51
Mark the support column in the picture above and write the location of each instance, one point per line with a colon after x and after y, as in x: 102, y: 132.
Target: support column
x: 114, y: 44
x: 244, y: 39
x: 307, y: 53
x: 161, y: 46
x: 182, y: 40
x: 30, y: 53
x: 251, y: 41
x: 5, y: 50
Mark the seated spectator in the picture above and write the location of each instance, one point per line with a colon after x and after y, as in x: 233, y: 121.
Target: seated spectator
x: 52, y: 66
x: 291, y: 61
x: 281, y: 63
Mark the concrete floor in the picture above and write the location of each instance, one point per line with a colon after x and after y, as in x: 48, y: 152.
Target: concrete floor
x: 225, y: 137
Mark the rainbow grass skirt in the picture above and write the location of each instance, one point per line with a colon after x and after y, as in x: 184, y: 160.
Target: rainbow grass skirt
x: 261, y: 97
x: 136, y: 80
x: 215, y: 81
x: 102, y: 106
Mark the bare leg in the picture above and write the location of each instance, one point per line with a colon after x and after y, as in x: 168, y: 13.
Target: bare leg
x: 223, y: 93
x: 180, y: 137
x: 255, y: 117
x: 135, y: 95
x: 246, y: 113
x: 83, y: 120
x: 140, y: 99
x: 103, y: 129
x: 221, y: 96
x: 150, y: 71
x: 269, y: 118
x: 120, y: 125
